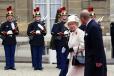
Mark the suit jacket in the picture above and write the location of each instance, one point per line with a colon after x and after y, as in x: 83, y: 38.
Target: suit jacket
x: 82, y: 27
x: 94, y: 42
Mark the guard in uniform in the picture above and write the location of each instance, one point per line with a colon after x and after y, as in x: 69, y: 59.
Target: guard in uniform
x: 93, y: 16
x: 112, y: 37
x: 36, y: 32
x: 60, y: 33
x: 91, y: 11
x: 9, y: 30
x: 57, y: 19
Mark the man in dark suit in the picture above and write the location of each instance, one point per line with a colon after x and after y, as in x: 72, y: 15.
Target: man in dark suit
x: 95, y: 59
x: 8, y: 31
x: 82, y: 27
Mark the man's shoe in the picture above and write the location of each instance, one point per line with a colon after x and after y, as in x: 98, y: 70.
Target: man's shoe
x: 6, y: 68
x: 58, y: 67
x: 12, y: 68
x: 38, y: 68
x: 35, y: 68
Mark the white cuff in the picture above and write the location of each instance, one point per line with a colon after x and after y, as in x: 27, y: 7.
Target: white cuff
x: 66, y: 32
x: 9, y: 32
x: 38, y: 32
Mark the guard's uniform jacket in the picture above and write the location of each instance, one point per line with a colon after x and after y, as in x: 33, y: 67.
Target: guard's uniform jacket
x: 57, y: 28
x: 60, y: 40
x: 36, y: 42
x: 36, y: 39
x: 8, y: 32
x: 9, y: 39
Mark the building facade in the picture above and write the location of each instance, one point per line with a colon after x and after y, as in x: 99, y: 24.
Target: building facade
x: 23, y: 13
x: 23, y: 10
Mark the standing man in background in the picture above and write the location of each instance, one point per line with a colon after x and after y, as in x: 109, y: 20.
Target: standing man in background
x: 9, y: 30
x: 36, y: 32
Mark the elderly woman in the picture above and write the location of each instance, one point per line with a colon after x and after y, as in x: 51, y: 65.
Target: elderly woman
x: 76, y: 44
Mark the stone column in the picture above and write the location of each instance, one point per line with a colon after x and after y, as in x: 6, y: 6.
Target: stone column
x: 21, y: 11
x: 74, y: 6
x: 112, y: 10
x: 30, y: 10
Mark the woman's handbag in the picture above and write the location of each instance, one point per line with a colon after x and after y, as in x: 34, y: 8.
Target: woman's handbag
x: 78, y: 60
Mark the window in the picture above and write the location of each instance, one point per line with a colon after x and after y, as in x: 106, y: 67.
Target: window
x: 54, y: 5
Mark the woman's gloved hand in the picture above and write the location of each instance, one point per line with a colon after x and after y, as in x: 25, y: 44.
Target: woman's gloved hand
x: 71, y: 49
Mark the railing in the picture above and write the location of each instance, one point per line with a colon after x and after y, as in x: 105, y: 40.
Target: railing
x: 23, y: 52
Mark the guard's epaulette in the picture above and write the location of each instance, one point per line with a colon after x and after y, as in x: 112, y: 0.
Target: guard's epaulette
x: 57, y: 23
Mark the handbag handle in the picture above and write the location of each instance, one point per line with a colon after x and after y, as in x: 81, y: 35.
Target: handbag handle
x: 79, y: 52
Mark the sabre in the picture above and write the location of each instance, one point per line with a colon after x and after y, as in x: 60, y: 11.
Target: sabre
x: 43, y: 20
x: 100, y: 19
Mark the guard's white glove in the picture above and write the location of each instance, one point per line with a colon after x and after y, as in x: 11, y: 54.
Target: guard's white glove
x: 10, y: 32
x: 66, y: 32
x: 63, y: 49
x: 38, y: 32
x: 12, y: 25
x: 40, y: 26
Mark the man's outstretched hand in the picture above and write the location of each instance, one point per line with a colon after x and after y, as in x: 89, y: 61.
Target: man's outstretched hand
x: 98, y: 65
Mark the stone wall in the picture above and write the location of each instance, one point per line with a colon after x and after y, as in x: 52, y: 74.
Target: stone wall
x: 112, y: 10
x: 101, y: 8
x: 23, y: 11
x: 74, y: 6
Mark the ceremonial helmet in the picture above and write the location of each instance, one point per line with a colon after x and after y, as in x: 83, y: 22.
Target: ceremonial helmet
x: 91, y: 10
x: 62, y: 11
x: 9, y: 11
x: 36, y: 12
